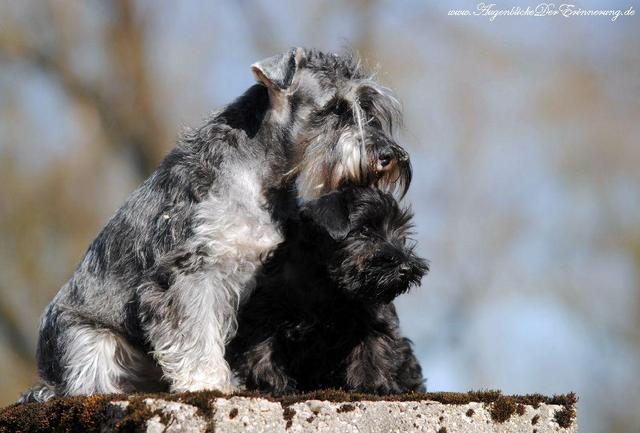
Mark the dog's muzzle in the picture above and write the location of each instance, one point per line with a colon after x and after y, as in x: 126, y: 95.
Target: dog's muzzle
x: 389, y: 163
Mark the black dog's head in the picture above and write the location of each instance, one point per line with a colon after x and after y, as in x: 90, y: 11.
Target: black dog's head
x: 340, y: 120
x: 368, y: 253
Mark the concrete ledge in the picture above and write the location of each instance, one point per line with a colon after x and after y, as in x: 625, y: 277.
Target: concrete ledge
x: 330, y: 411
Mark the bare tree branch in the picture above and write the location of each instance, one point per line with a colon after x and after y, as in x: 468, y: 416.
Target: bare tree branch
x: 129, y: 118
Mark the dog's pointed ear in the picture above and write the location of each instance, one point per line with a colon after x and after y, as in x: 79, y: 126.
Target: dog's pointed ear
x: 277, y: 72
x: 330, y: 213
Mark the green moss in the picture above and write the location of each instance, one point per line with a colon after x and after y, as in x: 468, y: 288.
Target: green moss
x: 135, y: 420
x: 288, y: 415
x: 68, y: 415
x: 565, y: 416
x: 502, y: 409
x: 203, y: 400
x: 346, y: 408
x: 87, y: 414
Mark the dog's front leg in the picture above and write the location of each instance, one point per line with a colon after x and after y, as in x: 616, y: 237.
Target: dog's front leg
x: 371, y: 366
x: 188, y: 312
x: 409, y: 373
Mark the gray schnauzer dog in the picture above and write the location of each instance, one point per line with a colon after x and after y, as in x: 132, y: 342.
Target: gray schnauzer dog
x: 154, y: 300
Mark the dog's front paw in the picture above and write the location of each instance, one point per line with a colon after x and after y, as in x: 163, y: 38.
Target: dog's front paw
x: 226, y: 388
x: 366, y: 378
x: 380, y: 387
x: 274, y: 382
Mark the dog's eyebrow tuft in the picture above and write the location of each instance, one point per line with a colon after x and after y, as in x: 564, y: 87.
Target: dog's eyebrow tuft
x: 378, y: 102
x: 337, y: 105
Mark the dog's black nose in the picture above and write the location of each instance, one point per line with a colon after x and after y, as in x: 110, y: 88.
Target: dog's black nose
x: 404, y: 269
x: 385, y: 158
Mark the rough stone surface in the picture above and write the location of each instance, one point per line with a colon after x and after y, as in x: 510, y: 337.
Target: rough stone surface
x: 191, y: 413
x: 239, y: 414
x: 178, y: 417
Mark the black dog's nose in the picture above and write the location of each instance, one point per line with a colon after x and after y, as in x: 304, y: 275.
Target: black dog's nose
x: 404, y: 269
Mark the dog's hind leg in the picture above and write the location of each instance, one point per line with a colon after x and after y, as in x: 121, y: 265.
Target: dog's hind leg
x: 89, y: 361
x: 38, y: 393
x: 75, y: 357
x: 96, y: 360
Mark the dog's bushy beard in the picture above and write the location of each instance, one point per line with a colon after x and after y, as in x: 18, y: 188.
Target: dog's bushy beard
x: 352, y: 143
x: 365, y: 271
x: 353, y: 161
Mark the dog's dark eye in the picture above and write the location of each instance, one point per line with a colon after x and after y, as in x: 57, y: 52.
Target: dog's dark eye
x: 340, y: 107
x: 365, y: 230
x: 375, y: 123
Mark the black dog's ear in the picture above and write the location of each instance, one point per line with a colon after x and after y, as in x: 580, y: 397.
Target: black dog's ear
x: 277, y: 72
x: 331, y: 213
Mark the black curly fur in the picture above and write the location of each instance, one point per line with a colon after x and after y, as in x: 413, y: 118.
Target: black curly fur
x: 321, y: 315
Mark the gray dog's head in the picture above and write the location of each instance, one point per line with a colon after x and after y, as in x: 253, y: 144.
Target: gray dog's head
x: 340, y: 120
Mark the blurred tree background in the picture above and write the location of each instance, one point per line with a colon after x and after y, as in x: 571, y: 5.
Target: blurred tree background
x: 524, y: 135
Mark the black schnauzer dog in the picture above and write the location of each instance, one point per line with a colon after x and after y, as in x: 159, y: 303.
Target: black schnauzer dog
x: 321, y: 315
